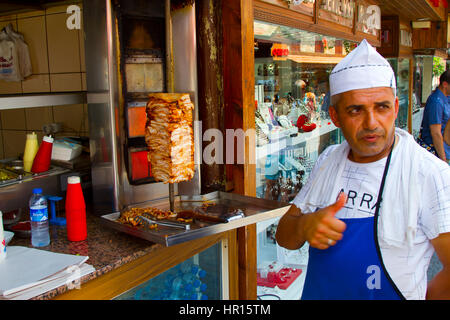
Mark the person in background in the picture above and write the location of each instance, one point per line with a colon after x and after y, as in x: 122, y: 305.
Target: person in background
x: 376, y: 206
x: 435, y: 117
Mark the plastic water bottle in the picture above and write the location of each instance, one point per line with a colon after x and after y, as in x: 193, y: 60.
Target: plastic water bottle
x: 39, y: 219
x: 201, y: 273
x: 177, y: 284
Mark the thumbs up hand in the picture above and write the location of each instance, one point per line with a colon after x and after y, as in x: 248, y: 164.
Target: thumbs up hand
x: 322, y: 229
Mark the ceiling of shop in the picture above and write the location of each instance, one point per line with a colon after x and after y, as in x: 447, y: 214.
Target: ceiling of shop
x: 16, y: 6
x: 411, y: 9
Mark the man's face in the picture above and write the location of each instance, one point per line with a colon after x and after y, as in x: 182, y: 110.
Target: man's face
x: 446, y: 88
x: 367, y: 120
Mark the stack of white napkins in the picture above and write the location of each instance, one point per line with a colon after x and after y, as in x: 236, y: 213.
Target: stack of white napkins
x: 28, y: 272
x: 65, y: 149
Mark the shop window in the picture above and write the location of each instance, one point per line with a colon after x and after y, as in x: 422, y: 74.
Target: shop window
x: 292, y: 123
x: 401, y: 69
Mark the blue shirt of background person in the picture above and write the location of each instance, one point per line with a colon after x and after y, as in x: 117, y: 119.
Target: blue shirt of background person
x: 437, y: 111
x: 326, y: 102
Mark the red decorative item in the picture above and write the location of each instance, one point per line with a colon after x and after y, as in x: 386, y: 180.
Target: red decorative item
x: 436, y: 3
x: 282, y: 279
x: 41, y: 162
x: 307, y: 127
x: 301, y: 121
x: 75, y: 210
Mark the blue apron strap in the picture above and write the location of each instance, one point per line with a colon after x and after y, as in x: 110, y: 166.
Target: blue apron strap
x: 375, y: 225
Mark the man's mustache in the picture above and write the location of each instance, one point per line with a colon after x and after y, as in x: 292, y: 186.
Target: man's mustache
x: 363, y: 133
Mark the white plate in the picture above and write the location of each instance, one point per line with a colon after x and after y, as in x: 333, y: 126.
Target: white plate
x: 8, y: 236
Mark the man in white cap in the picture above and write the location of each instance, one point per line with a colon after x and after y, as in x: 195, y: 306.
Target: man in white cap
x: 375, y: 207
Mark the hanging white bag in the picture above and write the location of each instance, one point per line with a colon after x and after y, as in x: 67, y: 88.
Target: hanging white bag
x: 9, y: 60
x: 22, y: 51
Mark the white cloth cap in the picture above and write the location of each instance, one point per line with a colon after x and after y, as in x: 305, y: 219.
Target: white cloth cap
x: 362, y: 68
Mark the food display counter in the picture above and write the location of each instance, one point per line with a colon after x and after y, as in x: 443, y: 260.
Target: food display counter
x: 121, y: 261
x: 200, y: 277
x: 129, y: 267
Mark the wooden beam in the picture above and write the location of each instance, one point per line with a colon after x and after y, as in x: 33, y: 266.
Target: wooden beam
x: 271, y: 13
x: 210, y: 84
x: 316, y: 12
x: 413, y: 9
x: 248, y: 94
x: 239, y: 91
x: 233, y: 265
x: 247, y: 262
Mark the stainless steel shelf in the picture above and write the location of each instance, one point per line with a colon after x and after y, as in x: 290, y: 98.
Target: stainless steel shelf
x: 41, y: 100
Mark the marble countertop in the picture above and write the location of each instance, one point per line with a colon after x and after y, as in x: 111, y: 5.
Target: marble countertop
x: 107, y: 249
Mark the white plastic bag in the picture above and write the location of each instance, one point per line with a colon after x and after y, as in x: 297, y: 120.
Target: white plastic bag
x: 9, y: 60
x: 22, y: 51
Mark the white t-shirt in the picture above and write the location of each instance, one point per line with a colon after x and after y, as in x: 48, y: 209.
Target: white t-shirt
x: 361, y: 182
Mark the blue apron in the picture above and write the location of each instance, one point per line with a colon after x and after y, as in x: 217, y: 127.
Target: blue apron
x: 352, y: 269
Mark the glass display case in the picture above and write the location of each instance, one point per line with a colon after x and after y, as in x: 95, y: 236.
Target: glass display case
x: 292, y: 123
x: 280, y: 272
x: 197, y: 278
x: 401, y: 69
x: 293, y: 127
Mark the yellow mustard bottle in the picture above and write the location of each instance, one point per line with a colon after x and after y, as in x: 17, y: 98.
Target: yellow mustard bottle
x: 31, y: 148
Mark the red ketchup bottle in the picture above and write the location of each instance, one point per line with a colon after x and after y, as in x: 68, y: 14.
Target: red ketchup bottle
x: 75, y: 210
x: 41, y: 162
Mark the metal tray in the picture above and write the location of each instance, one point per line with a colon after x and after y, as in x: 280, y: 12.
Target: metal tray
x: 255, y: 210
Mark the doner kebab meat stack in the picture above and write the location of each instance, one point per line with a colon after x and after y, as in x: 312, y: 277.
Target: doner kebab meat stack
x: 170, y: 137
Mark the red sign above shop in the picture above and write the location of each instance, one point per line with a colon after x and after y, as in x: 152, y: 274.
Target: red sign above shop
x: 279, y: 51
x: 436, y: 3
